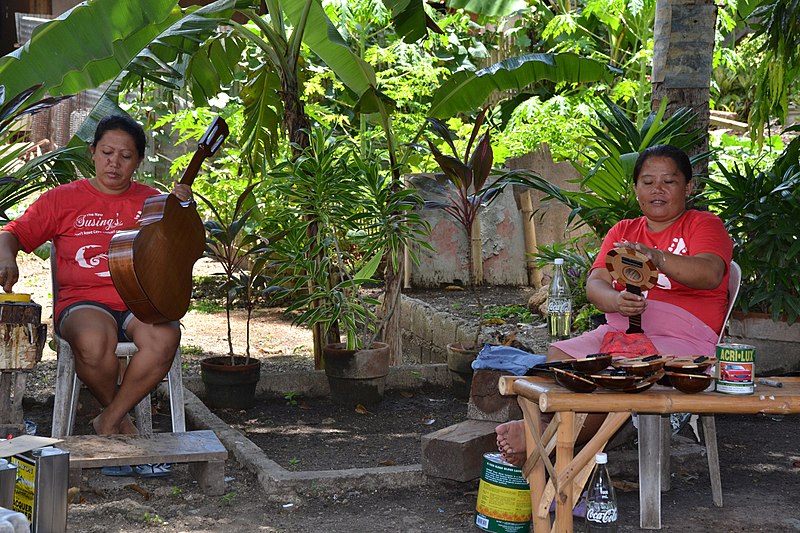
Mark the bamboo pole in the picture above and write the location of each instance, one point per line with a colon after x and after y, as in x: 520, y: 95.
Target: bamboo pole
x: 531, y: 244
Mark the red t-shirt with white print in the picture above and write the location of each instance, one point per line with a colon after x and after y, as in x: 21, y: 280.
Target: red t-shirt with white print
x: 693, y: 233
x: 80, y: 220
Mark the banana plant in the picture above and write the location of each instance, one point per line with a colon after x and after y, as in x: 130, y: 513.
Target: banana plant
x: 22, y: 173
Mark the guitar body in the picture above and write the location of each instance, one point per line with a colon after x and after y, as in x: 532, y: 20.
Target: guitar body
x: 151, y: 263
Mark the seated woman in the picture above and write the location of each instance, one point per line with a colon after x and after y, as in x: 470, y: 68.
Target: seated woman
x: 684, y: 313
x: 80, y: 218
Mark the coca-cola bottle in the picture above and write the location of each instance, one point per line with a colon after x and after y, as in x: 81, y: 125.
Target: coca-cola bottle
x: 559, y: 303
x: 601, y: 502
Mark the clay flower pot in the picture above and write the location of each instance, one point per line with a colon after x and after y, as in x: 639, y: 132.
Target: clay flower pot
x: 459, y: 363
x: 356, y: 376
x: 230, y: 386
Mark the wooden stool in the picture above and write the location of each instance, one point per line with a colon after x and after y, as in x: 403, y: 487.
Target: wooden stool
x: 201, y: 449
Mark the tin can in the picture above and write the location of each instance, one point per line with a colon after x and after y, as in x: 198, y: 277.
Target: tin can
x: 504, y: 497
x: 735, y: 368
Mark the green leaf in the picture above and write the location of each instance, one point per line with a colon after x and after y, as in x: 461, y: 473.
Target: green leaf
x: 74, y: 52
x: 466, y: 91
x: 323, y: 38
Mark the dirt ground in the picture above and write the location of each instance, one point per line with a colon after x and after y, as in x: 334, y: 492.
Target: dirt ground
x: 759, y: 456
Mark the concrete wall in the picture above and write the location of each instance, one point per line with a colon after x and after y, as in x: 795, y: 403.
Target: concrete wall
x: 777, y: 344
x: 502, y: 230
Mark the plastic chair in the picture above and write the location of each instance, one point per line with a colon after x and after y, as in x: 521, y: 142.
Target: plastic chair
x: 67, y: 386
x: 707, y: 422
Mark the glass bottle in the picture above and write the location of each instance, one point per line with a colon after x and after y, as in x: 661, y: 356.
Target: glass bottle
x: 559, y: 303
x: 601, y: 501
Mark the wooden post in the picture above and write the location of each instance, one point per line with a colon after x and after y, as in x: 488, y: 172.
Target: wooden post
x: 531, y: 244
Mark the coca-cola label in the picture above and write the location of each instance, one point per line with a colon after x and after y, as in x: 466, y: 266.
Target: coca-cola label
x: 601, y: 516
x: 559, y: 306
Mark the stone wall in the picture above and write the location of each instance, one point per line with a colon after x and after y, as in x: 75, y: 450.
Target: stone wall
x: 502, y: 229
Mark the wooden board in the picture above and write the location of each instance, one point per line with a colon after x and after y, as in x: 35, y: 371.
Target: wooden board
x: 95, y: 451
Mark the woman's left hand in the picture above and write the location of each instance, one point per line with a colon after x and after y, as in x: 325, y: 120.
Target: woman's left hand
x: 653, y: 254
x: 183, y: 192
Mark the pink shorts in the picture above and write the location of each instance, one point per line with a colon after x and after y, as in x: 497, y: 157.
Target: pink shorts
x: 673, y: 330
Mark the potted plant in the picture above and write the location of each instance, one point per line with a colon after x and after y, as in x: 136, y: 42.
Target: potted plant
x: 759, y: 208
x: 346, y: 218
x: 467, y: 184
x: 230, y: 381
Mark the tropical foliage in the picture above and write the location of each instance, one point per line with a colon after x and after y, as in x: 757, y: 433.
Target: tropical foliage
x: 759, y: 207
x: 606, y: 187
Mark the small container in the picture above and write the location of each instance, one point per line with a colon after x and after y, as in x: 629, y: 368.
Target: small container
x: 8, y: 482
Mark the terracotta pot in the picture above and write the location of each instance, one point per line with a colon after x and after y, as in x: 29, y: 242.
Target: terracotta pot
x: 356, y: 376
x: 459, y: 361
x: 230, y: 386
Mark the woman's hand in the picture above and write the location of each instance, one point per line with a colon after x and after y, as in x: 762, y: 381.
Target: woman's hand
x: 9, y: 272
x: 629, y: 304
x: 653, y: 254
x: 183, y: 192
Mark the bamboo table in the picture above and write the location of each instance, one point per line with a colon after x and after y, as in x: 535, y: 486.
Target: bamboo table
x: 540, y: 394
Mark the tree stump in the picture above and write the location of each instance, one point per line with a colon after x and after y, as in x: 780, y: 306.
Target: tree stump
x: 22, y: 339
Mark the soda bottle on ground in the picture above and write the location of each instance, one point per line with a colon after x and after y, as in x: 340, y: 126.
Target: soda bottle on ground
x: 601, y: 501
x: 559, y: 303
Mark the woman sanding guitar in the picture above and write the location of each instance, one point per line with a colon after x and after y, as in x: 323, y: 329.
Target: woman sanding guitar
x: 81, y: 218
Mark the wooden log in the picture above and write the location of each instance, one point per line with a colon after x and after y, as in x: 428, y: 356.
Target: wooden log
x: 22, y: 336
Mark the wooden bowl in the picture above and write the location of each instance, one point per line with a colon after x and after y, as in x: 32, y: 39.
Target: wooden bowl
x: 616, y: 382
x: 574, y: 382
x: 641, y: 366
x: 690, y: 365
x: 648, y: 382
x: 592, y: 363
x: 689, y: 383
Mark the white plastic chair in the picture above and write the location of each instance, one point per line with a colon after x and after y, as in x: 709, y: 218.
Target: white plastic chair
x: 707, y: 421
x: 67, y: 386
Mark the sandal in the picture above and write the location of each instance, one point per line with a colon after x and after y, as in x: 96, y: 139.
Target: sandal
x: 153, y: 470
x: 117, y: 471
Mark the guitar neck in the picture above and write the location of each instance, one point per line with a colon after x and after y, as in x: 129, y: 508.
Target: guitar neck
x: 194, y: 167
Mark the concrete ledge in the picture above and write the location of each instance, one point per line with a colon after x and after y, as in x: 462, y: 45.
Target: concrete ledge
x: 278, y: 481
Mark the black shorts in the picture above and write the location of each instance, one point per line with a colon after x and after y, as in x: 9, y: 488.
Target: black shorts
x: 122, y: 318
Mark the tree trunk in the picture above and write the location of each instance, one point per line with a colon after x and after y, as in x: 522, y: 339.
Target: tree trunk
x: 392, y: 332
x: 682, y: 54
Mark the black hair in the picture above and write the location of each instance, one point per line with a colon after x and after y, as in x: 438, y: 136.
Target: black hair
x: 664, y: 150
x: 124, y: 123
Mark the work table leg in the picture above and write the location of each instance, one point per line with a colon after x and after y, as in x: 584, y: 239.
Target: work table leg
x: 650, y: 471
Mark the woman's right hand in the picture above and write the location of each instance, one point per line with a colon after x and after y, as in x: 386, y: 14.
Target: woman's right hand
x: 629, y: 304
x: 9, y: 274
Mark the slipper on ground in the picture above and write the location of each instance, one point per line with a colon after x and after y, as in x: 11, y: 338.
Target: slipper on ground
x: 153, y: 470
x: 117, y: 471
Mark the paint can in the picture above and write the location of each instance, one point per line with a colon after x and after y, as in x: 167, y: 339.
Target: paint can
x: 735, y: 368
x: 504, y: 497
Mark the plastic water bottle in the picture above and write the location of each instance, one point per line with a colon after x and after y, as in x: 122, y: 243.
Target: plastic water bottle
x: 559, y: 303
x: 601, y: 501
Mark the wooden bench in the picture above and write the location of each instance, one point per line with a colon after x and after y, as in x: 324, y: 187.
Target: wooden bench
x: 201, y: 449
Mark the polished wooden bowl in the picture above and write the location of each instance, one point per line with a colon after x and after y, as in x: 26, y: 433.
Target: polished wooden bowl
x: 641, y: 366
x: 689, y: 383
x: 690, y: 365
x: 616, y: 381
x: 592, y: 363
x: 574, y: 382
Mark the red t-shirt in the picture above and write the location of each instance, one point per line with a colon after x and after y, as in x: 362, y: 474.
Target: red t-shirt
x: 80, y: 220
x: 693, y: 233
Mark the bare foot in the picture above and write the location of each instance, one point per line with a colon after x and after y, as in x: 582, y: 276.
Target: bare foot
x: 127, y: 427
x: 124, y: 427
x: 511, y: 442
x: 101, y: 427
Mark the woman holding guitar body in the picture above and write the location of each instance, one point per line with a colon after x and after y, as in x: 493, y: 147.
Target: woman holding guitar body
x: 80, y: 218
